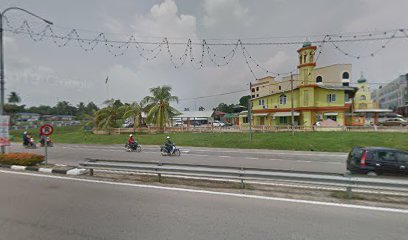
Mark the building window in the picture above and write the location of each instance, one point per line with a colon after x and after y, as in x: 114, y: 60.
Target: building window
x: 282, y: 99
x: 304, y: 58
x: 346, y: 75
x: 257, y: 95
x: 253, y: 96
x: 362, y: 97
x: 283, y: 120
x: 261, y: 102
x: 257, y: 88
x: 331, y: 97
x: 253, y: 90
x: 300, y: 59
x: 245, y: 119
x: 319, y: 79
x: 280, y: 88
x: 346, y: 84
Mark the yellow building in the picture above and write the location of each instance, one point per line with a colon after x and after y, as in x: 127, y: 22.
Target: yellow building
x: 362, y: 99
x: 318, y: 94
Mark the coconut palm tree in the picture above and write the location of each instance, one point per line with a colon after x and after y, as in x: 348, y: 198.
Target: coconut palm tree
x: 158, y: 105
x: 107, y: 117
x: 14, y: 98
x: 134, y: 111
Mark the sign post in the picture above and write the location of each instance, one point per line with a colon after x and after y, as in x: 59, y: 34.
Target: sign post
x: 4, y: 132
x: 46, y: 130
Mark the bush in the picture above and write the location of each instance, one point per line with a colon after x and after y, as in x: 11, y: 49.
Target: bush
x: 24, y: 159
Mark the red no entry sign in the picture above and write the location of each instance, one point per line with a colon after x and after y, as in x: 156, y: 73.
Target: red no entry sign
x: 46, y: 129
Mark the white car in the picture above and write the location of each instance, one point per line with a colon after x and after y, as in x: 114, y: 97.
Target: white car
x: 217, y: 123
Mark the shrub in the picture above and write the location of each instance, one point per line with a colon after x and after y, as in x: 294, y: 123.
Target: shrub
x: 24, y: 159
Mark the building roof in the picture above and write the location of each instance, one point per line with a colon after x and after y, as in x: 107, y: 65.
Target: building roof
x: 337, y: 87
x: 195, y: 114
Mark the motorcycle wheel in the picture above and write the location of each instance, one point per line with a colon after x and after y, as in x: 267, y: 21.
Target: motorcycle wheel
x: 177, y: 152
x: 138, y: 148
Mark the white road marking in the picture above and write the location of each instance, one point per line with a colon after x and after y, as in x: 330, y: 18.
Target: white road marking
x: 382, y: 209
x: 252, y: 158
x: 305, y: 161
x: 225, y: 156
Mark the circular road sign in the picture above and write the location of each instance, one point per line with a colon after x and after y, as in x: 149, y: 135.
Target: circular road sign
x: 46, y: 129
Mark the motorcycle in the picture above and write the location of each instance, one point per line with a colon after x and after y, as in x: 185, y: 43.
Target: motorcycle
x: 133, y: 148
x: 30, y: 144
x: 174, y: 152
x: 46, y: 140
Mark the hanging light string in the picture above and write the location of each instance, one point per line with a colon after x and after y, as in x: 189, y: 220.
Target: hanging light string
x: 150, y: 50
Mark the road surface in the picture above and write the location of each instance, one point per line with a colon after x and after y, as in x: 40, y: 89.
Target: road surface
x: 38, y: 207
x: 72, y: 154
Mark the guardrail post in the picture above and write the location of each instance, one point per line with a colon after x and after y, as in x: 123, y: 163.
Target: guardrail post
x: 349, y: 192
x: 242, y: 179
x: 159, y: 174
x: 91, y: 172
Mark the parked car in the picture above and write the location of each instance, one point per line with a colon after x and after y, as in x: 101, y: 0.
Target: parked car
x: 394, y: 122
x: 179, y: 123
x: 377, y: 160
x: 195, y: 123
x: 227, y: 124
x: 217, y: 123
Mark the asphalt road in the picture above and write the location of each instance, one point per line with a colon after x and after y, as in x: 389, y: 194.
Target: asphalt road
x: 72, y: 154
x: 38, y: 207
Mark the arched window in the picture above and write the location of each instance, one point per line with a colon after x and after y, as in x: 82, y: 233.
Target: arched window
x: 304, y: 58
x: 319, y: 79
x: 300, y: 59
x: 282, y: 99
x: 253, y: 89
x: 346, y: 75
x: 363, y: 97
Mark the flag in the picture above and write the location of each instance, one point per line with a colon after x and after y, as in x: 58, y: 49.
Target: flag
x: 106, y: 81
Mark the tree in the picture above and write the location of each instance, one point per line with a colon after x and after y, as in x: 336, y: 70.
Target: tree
x: 134, y: 111
x: 91, y: 107
x: 225, y: 108
x: 64, y: 108
x: 107, y: 117
x: 14, y: 98
x: 158, y: 105
x: 243, y: 101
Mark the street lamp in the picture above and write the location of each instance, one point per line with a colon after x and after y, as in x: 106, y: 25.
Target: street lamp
x: 1, y: 55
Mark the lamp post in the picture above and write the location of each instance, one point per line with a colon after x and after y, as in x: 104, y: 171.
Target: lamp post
x: 2, y: 53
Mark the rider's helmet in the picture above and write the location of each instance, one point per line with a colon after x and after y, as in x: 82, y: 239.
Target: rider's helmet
x: 25, y: 132
x: 131, y: 135
x: 168, y: 137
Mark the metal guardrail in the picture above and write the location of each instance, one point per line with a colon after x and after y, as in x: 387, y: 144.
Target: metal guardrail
x: 244, y: 174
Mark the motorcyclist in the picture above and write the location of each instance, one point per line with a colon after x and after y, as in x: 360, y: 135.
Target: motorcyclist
x: 169, y: 145
x: 131, y: 141
x: 25, y: 139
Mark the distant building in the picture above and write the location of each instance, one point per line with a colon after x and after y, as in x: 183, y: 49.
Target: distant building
x: 393, y: 95
x: 27, y: 117
x: 362, y: 99
x: 318, y: 94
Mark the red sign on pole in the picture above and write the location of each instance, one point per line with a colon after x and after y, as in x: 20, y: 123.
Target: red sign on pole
x: 46, y: 129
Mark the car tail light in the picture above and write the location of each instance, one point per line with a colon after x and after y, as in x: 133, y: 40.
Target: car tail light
x: 363, y: 158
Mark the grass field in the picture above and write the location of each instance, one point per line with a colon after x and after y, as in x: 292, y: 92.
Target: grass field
x: 304, y: 141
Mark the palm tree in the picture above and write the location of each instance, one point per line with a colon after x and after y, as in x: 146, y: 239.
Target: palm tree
x: 158, y: 105
x: 14, y: 98
x: 134, y: 111
x: 107, y: 117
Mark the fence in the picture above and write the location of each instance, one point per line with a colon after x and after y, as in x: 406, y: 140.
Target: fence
x: 244, y: 174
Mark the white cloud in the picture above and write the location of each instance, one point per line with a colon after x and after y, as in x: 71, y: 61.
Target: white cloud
x: 220, y: 13
x: 279, y: 61
x: 163, y: 20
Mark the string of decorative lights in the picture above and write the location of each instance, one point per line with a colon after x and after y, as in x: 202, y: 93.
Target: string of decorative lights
x: 120, y: 47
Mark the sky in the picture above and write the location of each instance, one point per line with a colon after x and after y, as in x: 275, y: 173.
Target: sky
x: 43, y: 73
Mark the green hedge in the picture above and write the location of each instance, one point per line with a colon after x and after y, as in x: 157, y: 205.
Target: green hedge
x: 24, y: 159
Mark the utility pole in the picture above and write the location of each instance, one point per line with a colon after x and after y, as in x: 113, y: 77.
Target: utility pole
x: 250, y: 113
x: 2, y: 55
x: 292, y: 104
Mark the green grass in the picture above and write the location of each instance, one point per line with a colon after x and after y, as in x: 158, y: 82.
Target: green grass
x: 305, y: 141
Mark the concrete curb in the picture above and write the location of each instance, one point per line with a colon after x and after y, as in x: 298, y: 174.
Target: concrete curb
x: 71, y: 171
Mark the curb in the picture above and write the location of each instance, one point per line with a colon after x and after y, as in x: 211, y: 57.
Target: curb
x: 70, y: 171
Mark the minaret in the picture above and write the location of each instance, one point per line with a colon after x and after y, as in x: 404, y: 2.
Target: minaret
x: 306, y: 63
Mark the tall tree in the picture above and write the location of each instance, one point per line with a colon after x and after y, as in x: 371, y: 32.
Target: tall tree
x: 243, y: 101
x: 134, y: 111
x: 14, y: 98
x: 158, y: 105
x: 107, y: 117
x: 91, y: 107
